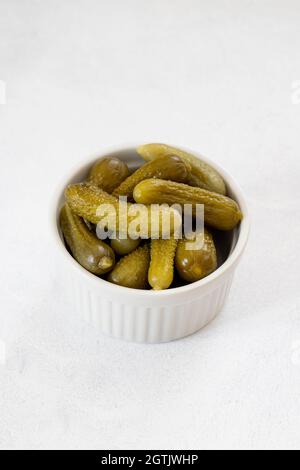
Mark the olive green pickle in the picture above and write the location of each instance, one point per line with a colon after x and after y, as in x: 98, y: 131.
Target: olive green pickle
x: 196, y: 259
x: 85, y: 199
x: 108, y: 173
x: 220, y: 211
x: 201, y: 174
x: 132, y: 270
x: 124, y: 246
x: 170, y: 167
x: 93, y: 254
x: 161, y: 270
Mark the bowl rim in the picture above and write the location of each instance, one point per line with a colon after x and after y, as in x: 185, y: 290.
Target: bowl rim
x: 230, y: 262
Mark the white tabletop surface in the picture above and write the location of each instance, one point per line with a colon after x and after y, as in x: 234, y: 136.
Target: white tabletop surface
x: 222, y: 77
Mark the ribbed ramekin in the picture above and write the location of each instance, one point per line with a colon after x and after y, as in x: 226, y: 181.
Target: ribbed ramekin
x: 143, y: 315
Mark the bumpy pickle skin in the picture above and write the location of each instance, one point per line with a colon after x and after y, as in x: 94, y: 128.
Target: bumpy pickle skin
x: 220, y: 211
x: 124, y: 246
x: 161, y: 270
x: 85, y: 200
x: 108, y: 173
x: 195, y: 264
x: 202, y: 174
x: 132, y: 270
x: 93, y: 254
x: 170, y: 167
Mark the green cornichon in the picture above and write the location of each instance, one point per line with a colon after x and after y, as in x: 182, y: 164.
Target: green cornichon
x: 107, y: 173
x: 95, y: 205
x: 220, y: 211
x: 161, y: 271
x: 124, y: 246
x: 202, y: 174
x: 132, y: 270
x: 193, y: 264
x: 93, y: 254
x: 171, y: 167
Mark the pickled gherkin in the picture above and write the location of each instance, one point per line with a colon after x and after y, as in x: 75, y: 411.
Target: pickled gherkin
x: 107, y: 173
x: 93, y: 254
x: 84, y: 199
x: 193, y: 264
x: 161, y: 270
x: 202, y: 174
x: 132, y: 270
x: 170, y: 168
x: 220, y: 211
x: 124, y: 246
x: 95, y: 205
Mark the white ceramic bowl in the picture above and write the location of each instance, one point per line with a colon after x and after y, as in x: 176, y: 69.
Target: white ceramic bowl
x: 143, y: 315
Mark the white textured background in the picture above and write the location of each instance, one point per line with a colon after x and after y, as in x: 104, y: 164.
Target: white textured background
x: 214, y: 75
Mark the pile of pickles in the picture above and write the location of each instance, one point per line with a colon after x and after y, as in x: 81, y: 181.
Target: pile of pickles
x: 168, y: 176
